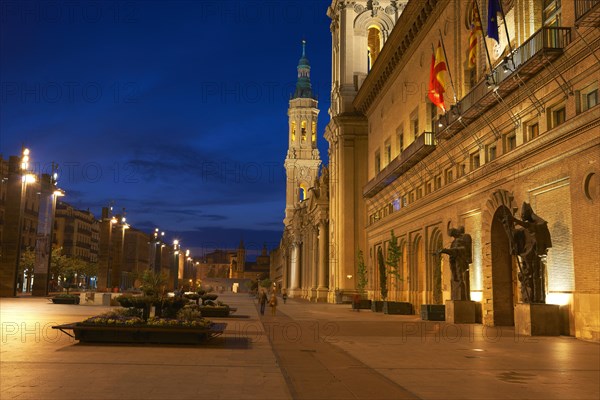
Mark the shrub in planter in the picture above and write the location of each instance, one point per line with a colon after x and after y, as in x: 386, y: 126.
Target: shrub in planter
x: 397, y: 307
x: 66, y: 299
x: 377, y: 306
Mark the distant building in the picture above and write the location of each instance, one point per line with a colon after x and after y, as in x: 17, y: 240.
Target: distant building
x: 77, y: 232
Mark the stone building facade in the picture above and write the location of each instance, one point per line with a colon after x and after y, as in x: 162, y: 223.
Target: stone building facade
x: 521, y: 125
x: 525, y: 130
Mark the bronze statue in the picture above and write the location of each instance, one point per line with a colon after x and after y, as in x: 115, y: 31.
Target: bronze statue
x: 530, y: 241
x: 460, y: 258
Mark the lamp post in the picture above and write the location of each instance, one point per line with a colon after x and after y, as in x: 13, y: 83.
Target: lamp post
x: 26, y: 178
x: 175, y: 263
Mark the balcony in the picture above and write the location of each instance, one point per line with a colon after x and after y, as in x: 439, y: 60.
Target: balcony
x: 423, y: 145
x: 587, y: 13
x: 544, y: 46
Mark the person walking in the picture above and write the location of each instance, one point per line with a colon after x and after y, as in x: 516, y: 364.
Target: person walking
x: 273, y: 304
x: 262, y: 300
x: 284, y: 295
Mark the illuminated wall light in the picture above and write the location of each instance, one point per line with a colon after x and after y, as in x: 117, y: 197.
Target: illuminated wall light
x: 476, y: 296
x: 558, y: 298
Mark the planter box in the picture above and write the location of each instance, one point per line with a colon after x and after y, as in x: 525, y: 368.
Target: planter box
x: 377, y: 306
x: 141, y: 334
x: 362, y: 305
x: 433, y: 312
x: 397, y: 307
x: 207, y: 311
x: 65, y: 300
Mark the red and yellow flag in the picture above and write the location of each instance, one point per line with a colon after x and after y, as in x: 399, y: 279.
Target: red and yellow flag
x: 437, y: 83
x: 475, y: 29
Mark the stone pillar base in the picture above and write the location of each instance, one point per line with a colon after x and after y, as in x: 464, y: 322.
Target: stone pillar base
x: 322, y: 295
x: 537, y: 319
x: 461, y: 311
x: 295, y: 292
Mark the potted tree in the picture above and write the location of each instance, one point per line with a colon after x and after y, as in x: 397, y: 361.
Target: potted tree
x: 362, y: 280
x: 394, y: 255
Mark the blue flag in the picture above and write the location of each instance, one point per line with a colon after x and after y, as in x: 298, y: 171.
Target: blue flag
x: 492, y: 22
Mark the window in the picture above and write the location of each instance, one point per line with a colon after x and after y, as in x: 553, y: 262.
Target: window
x: 303, y: 131
x: 510, y: 142
x: 462, y: 170
x: 414, y: 123
x: 475, y: 161
x: 419, y: 192
x: 411, y: 197
x: 591, y: 99
x: 404, y: 201
x: 377, y: 162
x: 533, y: 131
x: 374, y: 44
x: 428, y: 187
x: 449, y: 175
x: 388, y: 152
x: 552, y: 12
x: 437, y: 182
x: 400, y: 139
x: 432, y: 111
x: 491, y: 153
x: 313, y: 131
x: 557, y: 115
x: 293, y: 131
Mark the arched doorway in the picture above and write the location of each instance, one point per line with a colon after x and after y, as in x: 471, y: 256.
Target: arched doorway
x: 434, y: 269
x: 503, y: 271
x: 416, y: 268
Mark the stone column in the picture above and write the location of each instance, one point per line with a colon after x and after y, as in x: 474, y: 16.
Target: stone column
x: 322, y: 288
x: 295, y: 266
x: 314, y: 264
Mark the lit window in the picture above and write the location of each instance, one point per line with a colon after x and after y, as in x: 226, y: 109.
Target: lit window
x: 303, y: 125
x: 314, y: 131
x: 293, y: 131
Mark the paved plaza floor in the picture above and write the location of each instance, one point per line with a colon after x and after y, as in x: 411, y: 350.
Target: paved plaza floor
x: 305, y: 351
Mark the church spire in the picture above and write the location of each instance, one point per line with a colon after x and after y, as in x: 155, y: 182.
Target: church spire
x: 303, y: 86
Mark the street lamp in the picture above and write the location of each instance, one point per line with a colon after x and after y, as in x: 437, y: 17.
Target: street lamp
x: 175, y: 263
x: 26, y: 178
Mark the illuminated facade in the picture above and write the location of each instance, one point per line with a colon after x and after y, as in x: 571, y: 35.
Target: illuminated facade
x: 526, y: 131
x: 519, y: 125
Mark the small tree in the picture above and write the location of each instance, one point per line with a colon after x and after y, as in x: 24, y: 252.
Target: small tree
x: 382, y: 274
x: 27, y: 265
x: 394, y: 254
x: 361, y: 271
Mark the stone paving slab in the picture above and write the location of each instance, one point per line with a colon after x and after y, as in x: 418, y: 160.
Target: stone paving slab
x: 307, y: 351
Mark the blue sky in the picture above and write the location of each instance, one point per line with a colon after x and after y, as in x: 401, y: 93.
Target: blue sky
x: 175, y: 111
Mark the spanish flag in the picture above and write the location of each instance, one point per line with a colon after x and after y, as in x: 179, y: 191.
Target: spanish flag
x: 437, y: 84
x: 475, y: 29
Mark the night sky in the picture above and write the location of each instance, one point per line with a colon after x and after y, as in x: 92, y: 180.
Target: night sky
x: 175, y: 111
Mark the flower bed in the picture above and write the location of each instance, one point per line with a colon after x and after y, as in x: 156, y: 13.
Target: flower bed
x: 126, y: 326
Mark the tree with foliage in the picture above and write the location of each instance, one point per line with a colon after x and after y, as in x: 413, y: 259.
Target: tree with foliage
x: 382, y: 274
x: 394, y: 253
x: 266, y: 283
x: 27, y: 265
x: 361, y: 271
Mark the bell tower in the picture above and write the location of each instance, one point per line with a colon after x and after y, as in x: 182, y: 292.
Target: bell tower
x: 302, y: 161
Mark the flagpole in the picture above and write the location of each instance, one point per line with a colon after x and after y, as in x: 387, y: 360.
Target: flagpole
x: 448, y: 66
x: 487, y: 52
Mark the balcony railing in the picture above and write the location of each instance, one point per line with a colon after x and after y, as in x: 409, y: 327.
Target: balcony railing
x: 543, y: 46
x: 423, y: 145
x: 587, y: 13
